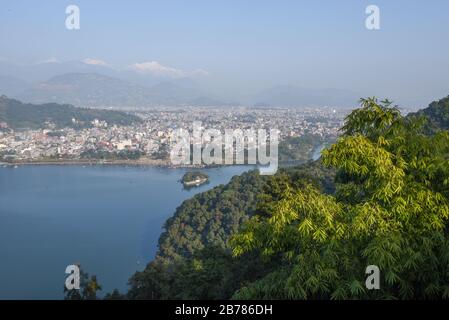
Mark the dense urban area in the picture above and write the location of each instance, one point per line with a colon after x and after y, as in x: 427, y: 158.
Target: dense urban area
x: 148, y: 141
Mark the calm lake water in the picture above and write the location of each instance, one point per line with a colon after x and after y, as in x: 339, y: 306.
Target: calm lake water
x: 108, y: 218
x: 317, y: 152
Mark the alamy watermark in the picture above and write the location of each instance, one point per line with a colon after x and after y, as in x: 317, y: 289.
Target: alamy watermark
x: 72, y: 21
x: 372, y: 22
x: 72, y: 282
x: 373, y: 279
x: 236, y: 146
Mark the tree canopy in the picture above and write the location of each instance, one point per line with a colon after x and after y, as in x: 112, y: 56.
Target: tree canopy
x: 390, y: 209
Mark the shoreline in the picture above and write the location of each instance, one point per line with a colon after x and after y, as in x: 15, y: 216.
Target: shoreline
x: 145, y: 162
x: 137, y: 163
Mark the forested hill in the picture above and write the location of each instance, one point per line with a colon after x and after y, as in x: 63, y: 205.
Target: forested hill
x: 311, y: 230
x: 194, y: 259
x: 437, y: 114
x: 209, y: 218
x: 18, y: 115
x: 212, y: 216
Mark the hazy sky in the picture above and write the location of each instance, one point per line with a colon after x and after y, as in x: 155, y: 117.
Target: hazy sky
x: 244, y: 46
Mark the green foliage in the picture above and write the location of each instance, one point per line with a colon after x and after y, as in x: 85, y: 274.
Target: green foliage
x: 309, y: 232
x: 19, y: 115
x: 210, y: 273
x: 193, y: 179
x: 390, y: 209
x: 193, y: 175
x: 210, y: 217
x: 115, y: 295
x: 88, y: 288
x: 194, y: 260
x: 438, y: 115
x: 299, y: 149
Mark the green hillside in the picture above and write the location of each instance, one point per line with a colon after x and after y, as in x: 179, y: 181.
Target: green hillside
x: 437, y: 114
x: 379, y: 197
x: 19, y: 115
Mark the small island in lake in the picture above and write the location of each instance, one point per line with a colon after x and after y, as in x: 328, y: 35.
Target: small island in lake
x: 194, y: 179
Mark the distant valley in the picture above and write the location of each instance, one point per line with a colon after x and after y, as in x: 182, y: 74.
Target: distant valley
x: 96, y: 90
x: 85, y: 85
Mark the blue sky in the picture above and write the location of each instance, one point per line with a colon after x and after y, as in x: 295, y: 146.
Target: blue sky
x: 245, y: 46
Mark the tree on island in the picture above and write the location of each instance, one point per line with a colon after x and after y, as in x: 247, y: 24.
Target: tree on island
x: 194, y: 177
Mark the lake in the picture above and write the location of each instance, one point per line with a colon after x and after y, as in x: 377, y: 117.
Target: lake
x: 107, y: 218
x: 317, y: 152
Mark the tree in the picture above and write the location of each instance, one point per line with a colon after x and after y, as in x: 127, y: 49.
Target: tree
x: 88, y: 288
x: 194, y: 260
x: 390, y: 209
x: 115, y: 295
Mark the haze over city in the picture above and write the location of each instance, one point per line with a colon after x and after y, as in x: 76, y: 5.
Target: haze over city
x: 235, y: 52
